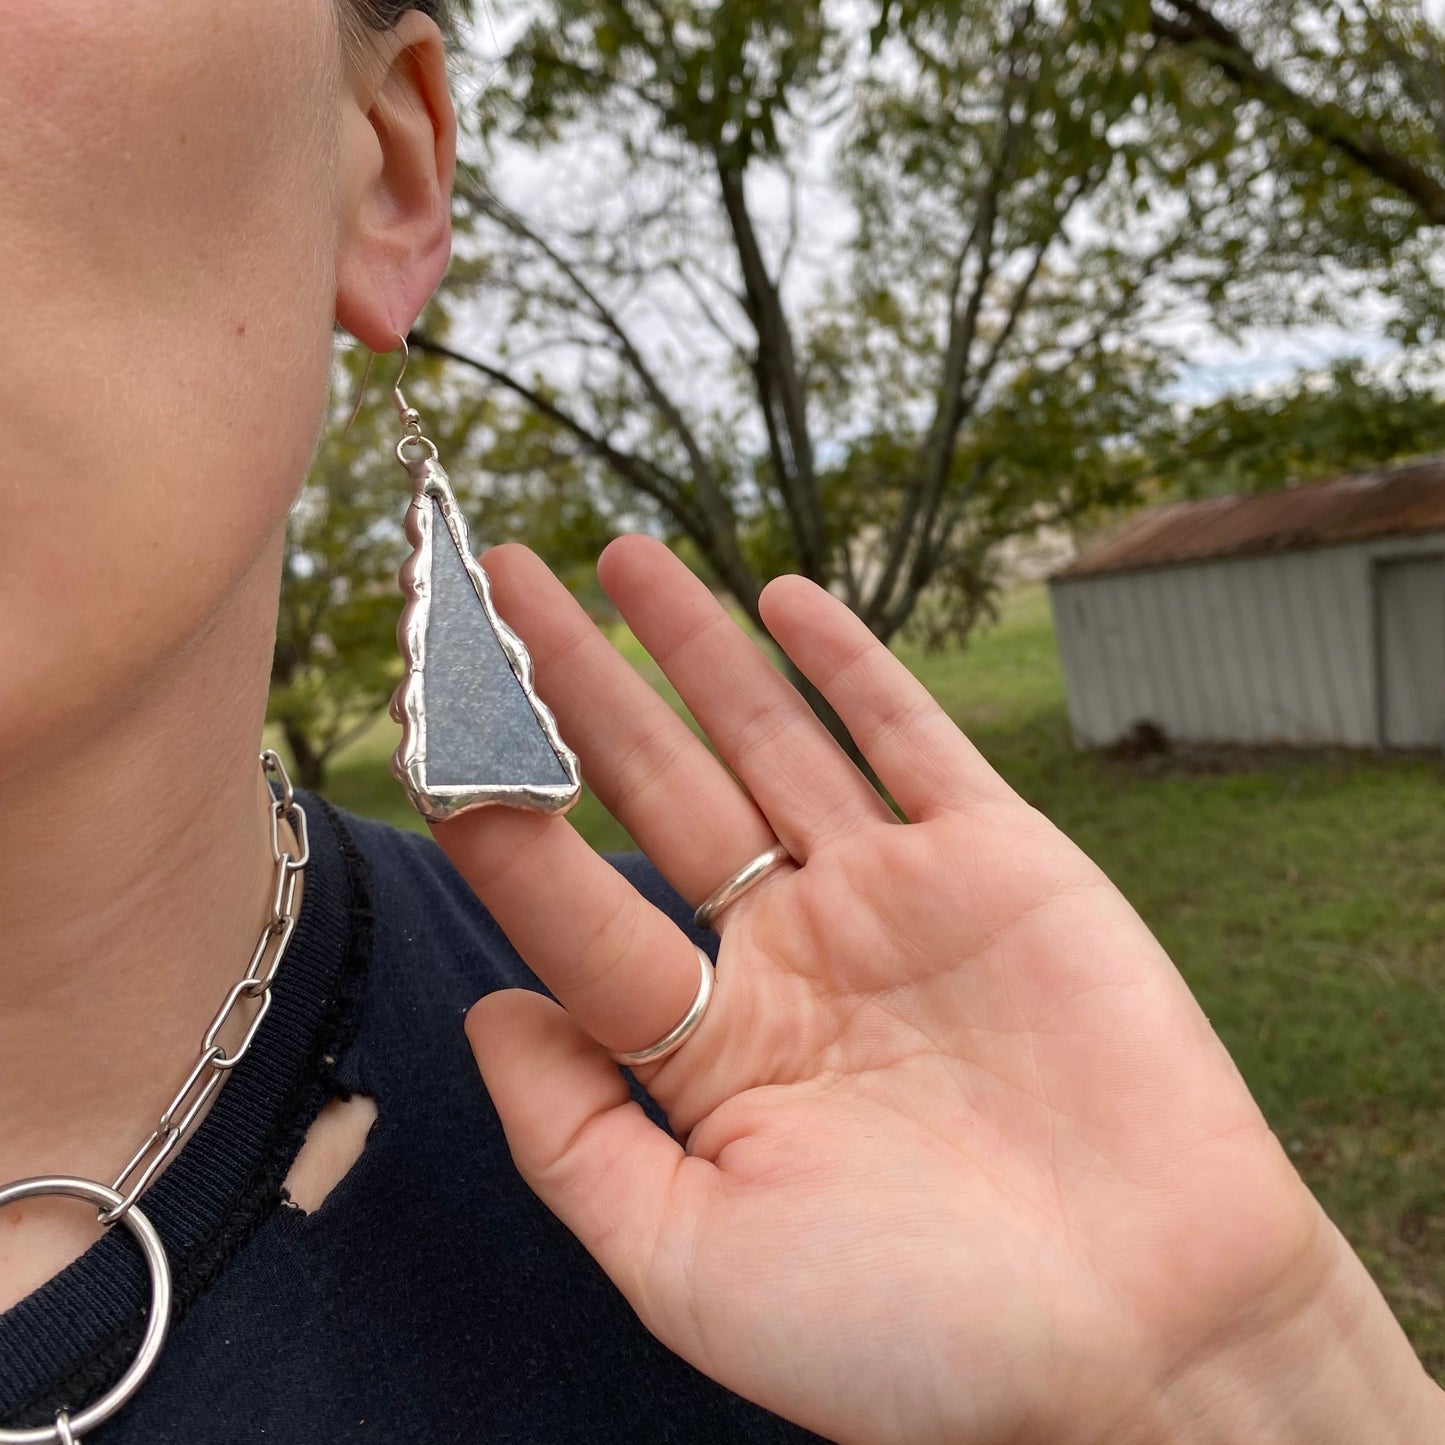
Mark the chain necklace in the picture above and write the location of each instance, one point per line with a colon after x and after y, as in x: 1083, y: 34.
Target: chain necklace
x: 117, y: 1202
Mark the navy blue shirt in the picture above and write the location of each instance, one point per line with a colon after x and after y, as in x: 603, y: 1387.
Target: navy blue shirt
x: 430, y: 1297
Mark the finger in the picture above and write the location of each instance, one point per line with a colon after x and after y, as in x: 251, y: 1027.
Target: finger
x: 616, y: 962
x: 806, y: 785
x: 578, y: 1138
x: 919, y: 753
x: 647, y: 767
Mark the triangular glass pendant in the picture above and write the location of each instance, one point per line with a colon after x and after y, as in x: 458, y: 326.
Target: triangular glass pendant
x: 473, y: 730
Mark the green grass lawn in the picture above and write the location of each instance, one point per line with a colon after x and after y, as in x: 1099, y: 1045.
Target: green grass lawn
x: 1302, y: 897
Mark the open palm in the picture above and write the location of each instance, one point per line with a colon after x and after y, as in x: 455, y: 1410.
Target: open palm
x: 963, y: 1158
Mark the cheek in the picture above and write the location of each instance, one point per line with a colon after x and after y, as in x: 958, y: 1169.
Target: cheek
x: 167, y: 235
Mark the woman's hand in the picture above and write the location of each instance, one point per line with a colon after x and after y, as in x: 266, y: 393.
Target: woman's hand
x: 964, y: 1160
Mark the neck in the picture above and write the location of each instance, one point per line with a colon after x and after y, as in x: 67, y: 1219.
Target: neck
x: 135, y: 869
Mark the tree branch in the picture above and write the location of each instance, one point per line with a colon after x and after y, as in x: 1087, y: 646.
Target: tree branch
x: 921, y: 500
x: 646, y: 476
x: 709, y: 313
x: 1191, y: 25
x: 715, y: 504
x: 1424, y: 74
x: 717, y: 510
x: 986, y: 368
x: 780, y: 384
x: 926, y: 557
x: 649, y: 479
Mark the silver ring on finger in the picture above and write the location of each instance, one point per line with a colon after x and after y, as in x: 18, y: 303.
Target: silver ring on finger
x: 676, y: 1037
x: 731, y: 889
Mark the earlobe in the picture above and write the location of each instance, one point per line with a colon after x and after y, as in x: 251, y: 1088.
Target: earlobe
x: 398, y: 159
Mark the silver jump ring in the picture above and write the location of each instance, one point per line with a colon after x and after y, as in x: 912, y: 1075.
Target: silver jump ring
x: 71, y: 1428
x: 733, y: 888
x: 427, y: 447
x: 677, y: 1037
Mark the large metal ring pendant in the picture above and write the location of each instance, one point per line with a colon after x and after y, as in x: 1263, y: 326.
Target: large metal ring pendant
x: 82, y: 1422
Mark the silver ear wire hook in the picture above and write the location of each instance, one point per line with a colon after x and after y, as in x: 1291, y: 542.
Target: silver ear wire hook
x: 413, y: 450
x: 410, y: 417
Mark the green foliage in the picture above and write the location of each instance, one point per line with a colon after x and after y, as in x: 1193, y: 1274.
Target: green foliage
x: 1339, y: 106
x: 1342, y: 419
x: 1360, y: 79
x: 716, y: 75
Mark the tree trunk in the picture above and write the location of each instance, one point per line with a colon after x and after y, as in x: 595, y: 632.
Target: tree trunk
x: 310, y: 762
x: 831, y: 721
x: 811, y: 695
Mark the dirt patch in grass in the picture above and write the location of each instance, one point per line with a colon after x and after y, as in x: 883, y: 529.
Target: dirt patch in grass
x: 1151, y: 754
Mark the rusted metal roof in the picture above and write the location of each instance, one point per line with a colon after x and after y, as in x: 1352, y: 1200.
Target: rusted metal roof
x: 1383, y: 503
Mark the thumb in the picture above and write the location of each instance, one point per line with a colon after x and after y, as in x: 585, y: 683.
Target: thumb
x: 577, y: 1136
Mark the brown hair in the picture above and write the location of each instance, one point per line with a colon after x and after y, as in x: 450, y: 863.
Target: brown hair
x: 358, y: 17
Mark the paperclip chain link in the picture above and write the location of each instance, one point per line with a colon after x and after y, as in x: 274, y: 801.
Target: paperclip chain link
x: 214, y: 1062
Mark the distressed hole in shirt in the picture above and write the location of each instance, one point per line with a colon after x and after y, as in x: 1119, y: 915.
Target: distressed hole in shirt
x: 332, y: 1145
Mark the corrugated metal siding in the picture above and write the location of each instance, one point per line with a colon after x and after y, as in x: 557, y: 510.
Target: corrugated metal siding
x: 1280, y: 648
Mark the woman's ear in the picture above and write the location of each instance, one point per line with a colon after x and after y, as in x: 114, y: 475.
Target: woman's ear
x: 398, y: 160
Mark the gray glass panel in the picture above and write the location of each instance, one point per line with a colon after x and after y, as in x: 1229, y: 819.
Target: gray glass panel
x: 480, y: 727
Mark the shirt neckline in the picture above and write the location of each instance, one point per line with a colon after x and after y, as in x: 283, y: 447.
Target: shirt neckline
x: 67, y: 1341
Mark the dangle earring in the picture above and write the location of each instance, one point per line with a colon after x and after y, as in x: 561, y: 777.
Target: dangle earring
x: 473, y: 729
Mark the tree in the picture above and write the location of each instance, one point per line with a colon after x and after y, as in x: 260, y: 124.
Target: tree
x: 1340, y: 419
x: 1363, y: 79
x: 863, y: 298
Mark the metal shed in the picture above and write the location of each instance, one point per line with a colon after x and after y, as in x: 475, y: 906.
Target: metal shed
x: 1309, y: 616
